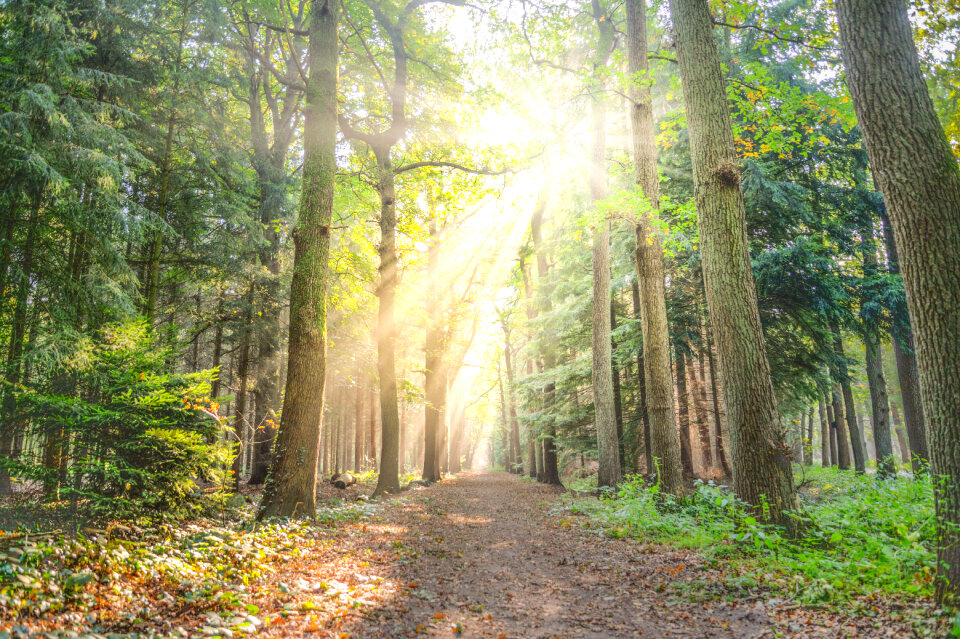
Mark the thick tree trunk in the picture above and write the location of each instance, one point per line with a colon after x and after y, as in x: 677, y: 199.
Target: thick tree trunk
x: 761, y: 467
x: 907, y: 373
x: 658, y: 376
x: 291, y: 480
x: 918, y: 175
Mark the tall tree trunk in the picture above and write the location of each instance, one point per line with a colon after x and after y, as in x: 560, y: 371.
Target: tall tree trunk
x: 901, y: 437
x: 291, y: 481
x: 434, y: 378
x: 848, y: 432
x: 907, y: 373
x: 243, y: 371
x: 388, y: 481
x: 683, y: 417
x: 608, y: 455
x: 879, y: 402
x: 918, y: 175
x: 643, y: 417
x: 721, y: 449
x: 761, y: 467
x: 617, y: 399
x: 833, y: 409
x: 664, y: 449
x: 808, y: 444
x: 703, y: 424
x: 18, y: 328
x: 512, y: 423
x: 358, y: 424
x: 824, y: 434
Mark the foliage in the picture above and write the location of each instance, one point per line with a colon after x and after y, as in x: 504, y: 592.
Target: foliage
x: 148, y: 441
x: 861, y: 535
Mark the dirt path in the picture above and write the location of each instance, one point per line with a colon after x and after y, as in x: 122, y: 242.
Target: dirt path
x: 482, y: 557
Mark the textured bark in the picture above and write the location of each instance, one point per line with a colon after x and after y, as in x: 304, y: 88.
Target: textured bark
x: 683, y: 418
x: 907, y: 373
x: 761, y: 466
x: 291, y: 481
x: 918, y: 175
x: 824, y: 435
x: 663, y: 450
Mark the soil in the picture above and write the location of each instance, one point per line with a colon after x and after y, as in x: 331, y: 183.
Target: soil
x: 482, y: 555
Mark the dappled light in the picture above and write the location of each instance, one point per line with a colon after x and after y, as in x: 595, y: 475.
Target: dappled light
x: 500, y: 318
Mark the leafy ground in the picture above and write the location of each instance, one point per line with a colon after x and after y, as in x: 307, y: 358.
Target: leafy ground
x: 482, y: 555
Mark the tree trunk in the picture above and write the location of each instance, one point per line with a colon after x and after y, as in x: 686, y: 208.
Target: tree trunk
x: 808, y: 444
x: 848, y: 432
x: 833, y: 409
x: 824, y: 434
x: 291, y: 480
x: 608, y: 455
x: 658, y: 376
x: 643, y: 418
x: 388, y: 481
x: 879, y: 402
x: 901, y: 437
x: 434, y: 378
x: 358, y: 425
x: 703, y: 424
x: 721, y: 449
x: 761, y: 467
x: 18, y: 329
x: 918, y: 175
x: 617, y: 399
x: 683, y: 417
x: 907, y: 373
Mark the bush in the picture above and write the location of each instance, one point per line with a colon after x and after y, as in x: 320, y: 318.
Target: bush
x: 862, y: 535
x: 141, y: 442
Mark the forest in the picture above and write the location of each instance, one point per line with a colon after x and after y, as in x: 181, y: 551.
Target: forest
x: 492, y: 318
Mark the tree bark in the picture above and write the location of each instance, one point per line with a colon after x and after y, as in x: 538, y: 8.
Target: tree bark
x: 761, y: 466
x: 643, y: 418
x: 848, y: 432
x: 435, y: 381
x: 658, y: 376
x: 290, y: 488
x: 918, y: 175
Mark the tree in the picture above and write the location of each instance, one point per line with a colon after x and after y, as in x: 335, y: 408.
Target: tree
x: 657, y: 374
x: 920, y: 181
x: 761, y: 466
x: 291, y: 481
x: 607, y: 440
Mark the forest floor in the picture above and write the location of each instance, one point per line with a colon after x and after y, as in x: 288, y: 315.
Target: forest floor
x: 478, y: 555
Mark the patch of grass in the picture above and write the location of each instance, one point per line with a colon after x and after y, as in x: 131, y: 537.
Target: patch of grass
x: 863, y: 535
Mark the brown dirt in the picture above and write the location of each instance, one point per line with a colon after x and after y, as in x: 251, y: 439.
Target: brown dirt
x: 482, y: 551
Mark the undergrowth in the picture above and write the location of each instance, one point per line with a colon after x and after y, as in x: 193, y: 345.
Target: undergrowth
x: 200, y: 564
x: 863, y: 535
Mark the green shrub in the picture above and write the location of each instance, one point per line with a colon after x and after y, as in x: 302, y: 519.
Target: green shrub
x: 862, y: 535
x: 141, y: 442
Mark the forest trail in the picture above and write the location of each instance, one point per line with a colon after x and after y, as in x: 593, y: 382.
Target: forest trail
x: 482, y: 556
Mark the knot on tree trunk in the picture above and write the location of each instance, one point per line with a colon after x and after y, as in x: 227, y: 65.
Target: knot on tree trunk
x: 729, y: 174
